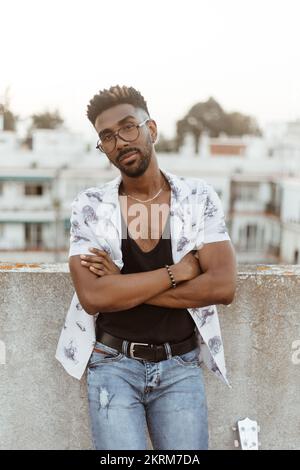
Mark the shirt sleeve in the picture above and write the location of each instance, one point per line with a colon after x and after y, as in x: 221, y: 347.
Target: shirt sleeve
x: 215, y: 229
x: 81, y: 235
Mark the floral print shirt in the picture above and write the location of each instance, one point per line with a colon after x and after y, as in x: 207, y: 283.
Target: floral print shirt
x: 196, y: 218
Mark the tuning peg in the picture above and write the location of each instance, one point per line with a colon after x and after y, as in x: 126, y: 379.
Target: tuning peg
x: 236, y: 443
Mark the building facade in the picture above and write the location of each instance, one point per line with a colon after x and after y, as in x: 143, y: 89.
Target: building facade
x: 257, y: 179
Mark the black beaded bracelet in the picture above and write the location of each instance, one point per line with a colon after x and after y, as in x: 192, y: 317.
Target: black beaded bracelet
x: 171, y: 276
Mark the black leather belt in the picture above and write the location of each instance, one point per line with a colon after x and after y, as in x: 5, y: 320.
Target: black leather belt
x: 145, y: 351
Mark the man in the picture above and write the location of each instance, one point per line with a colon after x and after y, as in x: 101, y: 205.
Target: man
x: 150, y: 257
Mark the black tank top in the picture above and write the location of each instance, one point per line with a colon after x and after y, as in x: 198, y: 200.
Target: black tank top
x: 147, y: 323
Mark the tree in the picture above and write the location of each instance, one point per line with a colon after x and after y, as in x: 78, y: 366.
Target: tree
x: 239, y: 124
x: 210, y: 117
x: 47, y: 120
x: 9, y: 119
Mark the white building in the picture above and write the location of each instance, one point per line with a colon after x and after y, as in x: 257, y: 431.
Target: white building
x: 290, y: 221
x: 252, y: 176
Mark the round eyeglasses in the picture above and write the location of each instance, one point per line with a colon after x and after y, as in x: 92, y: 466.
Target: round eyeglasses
x: 129, y: 132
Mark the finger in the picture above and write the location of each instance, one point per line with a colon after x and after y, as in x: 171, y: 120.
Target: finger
x: 85, y: 264
x: 100, y: 259
x: 98, y: 272
x: 106, y: 263
x: 92, y: 258
x: 99, y: 252
x: 95, y: 265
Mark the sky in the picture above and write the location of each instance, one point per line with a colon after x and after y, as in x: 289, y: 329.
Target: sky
x: 244, y: 53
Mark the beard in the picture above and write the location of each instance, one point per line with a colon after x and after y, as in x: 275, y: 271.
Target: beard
x: 139, y: 165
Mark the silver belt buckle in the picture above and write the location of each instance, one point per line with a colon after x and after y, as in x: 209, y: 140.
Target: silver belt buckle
x: 131, y: 349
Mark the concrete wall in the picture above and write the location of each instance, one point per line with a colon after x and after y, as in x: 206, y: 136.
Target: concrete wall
x: 42, y: 407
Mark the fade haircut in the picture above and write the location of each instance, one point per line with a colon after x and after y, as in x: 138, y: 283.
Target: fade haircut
x: 106, y: 99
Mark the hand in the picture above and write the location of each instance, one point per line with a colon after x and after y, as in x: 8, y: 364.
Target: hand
x: 188, y: 267
x: 100, y: 263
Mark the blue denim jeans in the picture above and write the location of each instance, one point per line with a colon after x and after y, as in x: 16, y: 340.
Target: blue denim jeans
x: 128, y: 396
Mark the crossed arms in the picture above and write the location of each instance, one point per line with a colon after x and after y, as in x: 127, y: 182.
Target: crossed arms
x: 208, y: 279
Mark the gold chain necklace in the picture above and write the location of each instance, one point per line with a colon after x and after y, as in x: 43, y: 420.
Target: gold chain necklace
x: 147, y: 200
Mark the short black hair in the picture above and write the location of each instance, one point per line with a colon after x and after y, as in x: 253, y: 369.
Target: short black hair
x: 117, y: 94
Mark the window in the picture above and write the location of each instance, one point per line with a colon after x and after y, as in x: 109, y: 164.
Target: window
x: 33, y: 190
x: 262, y: 237
x: 251, y: 235
x: 33, y: 235
x: 247, y: 192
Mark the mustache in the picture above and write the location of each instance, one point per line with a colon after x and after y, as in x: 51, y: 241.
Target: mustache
x: 125, y: 152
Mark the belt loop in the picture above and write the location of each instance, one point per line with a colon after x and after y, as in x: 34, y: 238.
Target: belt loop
x: 168, y: 350
x: 124, y: 347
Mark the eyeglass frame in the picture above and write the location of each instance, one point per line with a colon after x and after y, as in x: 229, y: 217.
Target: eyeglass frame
x: 116, y: 134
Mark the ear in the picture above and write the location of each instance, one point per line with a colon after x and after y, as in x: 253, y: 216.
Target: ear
x: 153, y: 130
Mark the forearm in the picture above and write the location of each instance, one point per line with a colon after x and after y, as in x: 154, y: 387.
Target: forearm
x: 205, y: 289
x: 125, y: 291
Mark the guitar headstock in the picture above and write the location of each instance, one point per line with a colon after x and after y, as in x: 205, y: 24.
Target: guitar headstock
x: 247, y: 431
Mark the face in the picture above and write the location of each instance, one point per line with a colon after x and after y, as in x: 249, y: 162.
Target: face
x: 141, y: 149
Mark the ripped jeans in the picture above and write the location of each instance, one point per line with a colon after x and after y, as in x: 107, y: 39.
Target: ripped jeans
x: 129, y: 396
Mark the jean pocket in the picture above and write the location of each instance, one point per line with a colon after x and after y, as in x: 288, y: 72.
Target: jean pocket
x: 190, y: 358
x: 106, y: 355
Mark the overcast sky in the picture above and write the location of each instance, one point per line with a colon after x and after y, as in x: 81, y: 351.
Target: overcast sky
x: 244, y: 53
